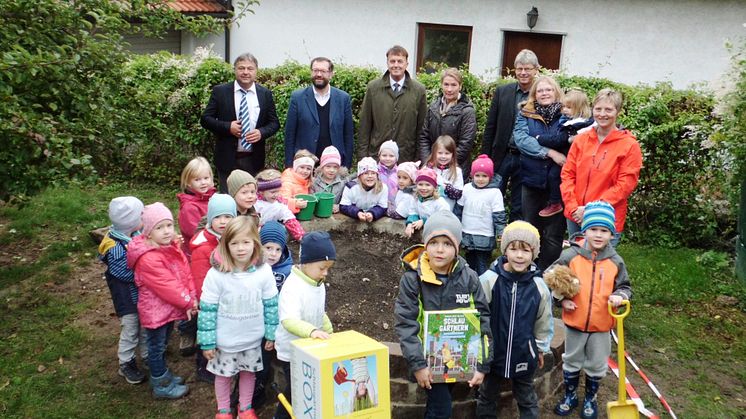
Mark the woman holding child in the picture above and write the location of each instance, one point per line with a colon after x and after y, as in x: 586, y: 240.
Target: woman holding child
x: 543, y: 145
x: 452, y: 114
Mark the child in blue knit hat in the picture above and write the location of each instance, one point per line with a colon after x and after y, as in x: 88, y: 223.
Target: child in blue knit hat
x: 603, y: 280
x: 125, y: 213
x: 274, y: 239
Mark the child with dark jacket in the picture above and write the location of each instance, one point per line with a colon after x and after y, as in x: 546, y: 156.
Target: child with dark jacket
x: 125, y: 215
x: 603, y: 281
x: 437, y: 278
x: 521, y: 321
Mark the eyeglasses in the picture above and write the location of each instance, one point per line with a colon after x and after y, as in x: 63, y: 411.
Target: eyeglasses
x: 524, y: 70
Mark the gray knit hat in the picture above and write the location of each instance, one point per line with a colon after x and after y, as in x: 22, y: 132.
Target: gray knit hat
x: 125, y: 213
x: 521, y: 231
x: 442, y: 223
x: 237, y: 179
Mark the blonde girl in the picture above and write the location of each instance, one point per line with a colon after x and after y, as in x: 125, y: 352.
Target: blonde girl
x: 442, y: 160
x: 367, y: 200
x: 238, y: 309
x: 197, y: 186
x: 297, y: 179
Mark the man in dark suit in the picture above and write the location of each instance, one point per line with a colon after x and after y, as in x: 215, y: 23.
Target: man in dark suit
x: 498, y: 140
x: 242, y: 116
x: 319, y: 116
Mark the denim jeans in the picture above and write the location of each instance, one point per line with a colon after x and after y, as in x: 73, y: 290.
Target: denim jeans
x: 478, y: 260
x: 551, y: 229
x: 523, y: 393
x: 438, y: 401
x: 157, y: 343
x: 510, y: 174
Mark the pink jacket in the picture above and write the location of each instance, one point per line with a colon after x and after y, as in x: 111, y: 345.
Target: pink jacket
x: 164, y: 281
x: 192, y: 207
x: 202, y: 246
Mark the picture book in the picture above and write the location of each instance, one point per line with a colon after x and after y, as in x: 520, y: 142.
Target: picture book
x: 452, y: 344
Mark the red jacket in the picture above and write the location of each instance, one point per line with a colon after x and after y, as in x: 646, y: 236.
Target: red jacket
x: 293, y: 184
x: 164, y: 282
x: 607, y: 171
x: 192, y: 207
x: 202, y: 245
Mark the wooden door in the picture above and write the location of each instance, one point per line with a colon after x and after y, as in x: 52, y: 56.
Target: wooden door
x: 548, y: 47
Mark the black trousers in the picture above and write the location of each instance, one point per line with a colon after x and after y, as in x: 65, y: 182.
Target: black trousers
x: 551, y: 229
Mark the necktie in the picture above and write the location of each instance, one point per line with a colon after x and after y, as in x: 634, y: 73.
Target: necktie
x: 396, y: 87
x: 243, y: 116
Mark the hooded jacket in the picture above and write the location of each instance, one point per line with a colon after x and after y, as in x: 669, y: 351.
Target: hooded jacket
x: 293, y: 184
x: 420, y: 289
x: 606, y: 171
x: 202, y: 246
x: 459, y: 122
x: 281, y: 269
x: 520, y: 318
x: 601, y: 274
x: 164, y: 281
x: 385, y: 115
x: 192, y: 207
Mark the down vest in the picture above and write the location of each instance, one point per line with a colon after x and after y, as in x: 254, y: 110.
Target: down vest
x: 459, y: 122
x: 164, y: 280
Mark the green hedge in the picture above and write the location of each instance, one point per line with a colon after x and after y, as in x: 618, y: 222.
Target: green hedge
x: 682, y: 197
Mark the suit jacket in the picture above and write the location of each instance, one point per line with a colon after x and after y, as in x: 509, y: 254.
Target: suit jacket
x: 500, y: 122
x: 221, y: 111
x: 302, y: 124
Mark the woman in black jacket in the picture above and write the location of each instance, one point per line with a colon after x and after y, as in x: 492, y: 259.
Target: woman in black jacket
x: 451, y: 114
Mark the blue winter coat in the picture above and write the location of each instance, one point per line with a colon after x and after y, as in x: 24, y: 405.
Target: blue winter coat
x: 119, y: 278
x: 281, y: 269
x: 529, y: 130
x: 521, y: 319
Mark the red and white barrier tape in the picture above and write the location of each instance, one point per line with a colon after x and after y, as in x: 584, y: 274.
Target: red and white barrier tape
x: 631, y: 392
x: 646, y: 379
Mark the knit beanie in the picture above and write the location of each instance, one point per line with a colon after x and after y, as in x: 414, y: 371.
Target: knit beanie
x: 391, y: 146
x: 521, y: 231
x: 317, y: 246
x: 366, y: 164
x: 427, y: 175
x: 220, y: 204
x: 483, y: 164
x: 410, y: 168
x: 330, y: 155
x: 273, y: 232
x: 237, y: 179
x: 599, y: 214
x: 153, y: 214
x: 125, y: 213
x: 442, y: 223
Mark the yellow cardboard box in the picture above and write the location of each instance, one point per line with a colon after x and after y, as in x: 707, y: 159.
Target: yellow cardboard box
x: 346, y: 376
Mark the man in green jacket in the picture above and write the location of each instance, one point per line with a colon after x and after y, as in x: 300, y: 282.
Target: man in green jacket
x: 394, y: 108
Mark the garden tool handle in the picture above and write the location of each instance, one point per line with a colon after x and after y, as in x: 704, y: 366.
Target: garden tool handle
x: 621, y: 315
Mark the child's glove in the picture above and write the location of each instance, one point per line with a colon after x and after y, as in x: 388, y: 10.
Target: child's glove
x: 452, y: 192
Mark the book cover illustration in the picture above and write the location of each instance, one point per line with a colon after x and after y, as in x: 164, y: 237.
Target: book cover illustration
x: 452, y: 344
x: 356, y: 385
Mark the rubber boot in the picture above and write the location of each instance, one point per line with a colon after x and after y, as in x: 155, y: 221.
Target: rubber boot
x: 164, y: 387
x: 590, y: 404
x: 570, y: 401
x: 175, y: 378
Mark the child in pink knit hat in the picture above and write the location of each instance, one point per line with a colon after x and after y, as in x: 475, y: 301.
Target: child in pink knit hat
x: 388, y: 156
x: 330, y: 175
x: 427, y: 200
x: 482, y: 213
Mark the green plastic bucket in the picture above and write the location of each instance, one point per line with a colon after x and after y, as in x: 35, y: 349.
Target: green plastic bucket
x: 325, y: 205
x: 306, y: 213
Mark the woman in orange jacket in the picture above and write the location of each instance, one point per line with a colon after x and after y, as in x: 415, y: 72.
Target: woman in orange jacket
x: 602, y: 164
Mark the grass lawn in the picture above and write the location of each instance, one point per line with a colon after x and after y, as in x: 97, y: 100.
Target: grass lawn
x: 687, y: 329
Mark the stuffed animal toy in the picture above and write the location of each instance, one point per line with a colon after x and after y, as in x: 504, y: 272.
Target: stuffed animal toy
x: 562, y: 281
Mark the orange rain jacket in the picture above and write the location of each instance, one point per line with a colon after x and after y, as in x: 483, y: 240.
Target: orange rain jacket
x: 607, y: 171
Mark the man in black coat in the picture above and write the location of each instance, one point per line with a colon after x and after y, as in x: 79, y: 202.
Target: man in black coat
x: 498, y: 140
x: 242, y: 116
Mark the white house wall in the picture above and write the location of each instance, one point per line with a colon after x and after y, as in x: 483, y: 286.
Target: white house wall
x: 629, y: 41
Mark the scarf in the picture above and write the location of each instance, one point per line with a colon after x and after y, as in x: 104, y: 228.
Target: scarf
x: 548, y: 112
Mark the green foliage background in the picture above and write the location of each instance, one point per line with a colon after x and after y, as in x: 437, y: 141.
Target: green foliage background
x: 75, y: 106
